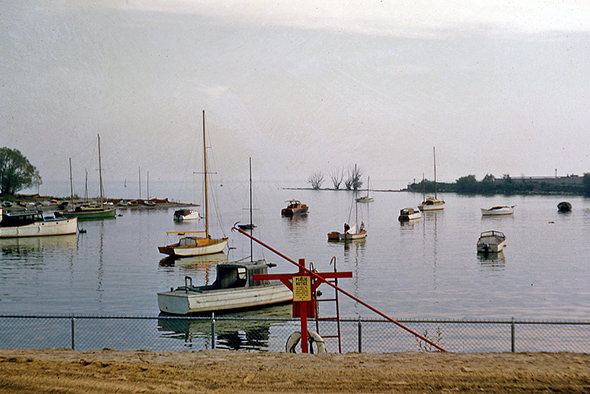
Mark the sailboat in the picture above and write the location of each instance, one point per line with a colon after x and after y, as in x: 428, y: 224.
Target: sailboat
x: 251, y: 225
x: 432, y: 203
x: 353, y: 233
x: 91, y: 212
x: 195, y: 245
x: 366, y: 198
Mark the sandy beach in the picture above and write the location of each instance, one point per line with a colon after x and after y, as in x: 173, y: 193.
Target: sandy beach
x: 107, y: 371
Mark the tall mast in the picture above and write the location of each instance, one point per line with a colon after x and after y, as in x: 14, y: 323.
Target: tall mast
x: 86, y: 184
x: 100, y: 173
x: 148, y: 185
x: 434, y: 154
x: 139, y: 175
x: 71, y: 186
x: 251, y: 224
x: 205, y: 170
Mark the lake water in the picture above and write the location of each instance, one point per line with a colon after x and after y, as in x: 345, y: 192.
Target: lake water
x: 425, y: 269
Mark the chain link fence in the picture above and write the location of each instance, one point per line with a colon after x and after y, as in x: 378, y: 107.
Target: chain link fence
x: 168, y: 333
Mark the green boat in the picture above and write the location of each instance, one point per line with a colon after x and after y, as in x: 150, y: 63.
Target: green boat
x: 89, y: 213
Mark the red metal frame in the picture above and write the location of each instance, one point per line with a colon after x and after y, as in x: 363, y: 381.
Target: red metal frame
x: 303, y: 270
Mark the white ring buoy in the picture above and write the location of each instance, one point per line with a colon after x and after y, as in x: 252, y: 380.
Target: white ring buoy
x: 313, y: 336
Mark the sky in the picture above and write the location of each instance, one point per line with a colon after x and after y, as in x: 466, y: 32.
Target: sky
x: 498, y: 87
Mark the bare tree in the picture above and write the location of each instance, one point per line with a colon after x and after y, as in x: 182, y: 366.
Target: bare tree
x: 316, y: 180
x: 354, y: 179
x: 337, y: 176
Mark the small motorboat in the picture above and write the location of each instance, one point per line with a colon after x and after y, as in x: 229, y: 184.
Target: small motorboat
x: 498, y: 210
x: 294, y: 207
x: 407, y: 214
x: 491, y: 242
x: 353, y: 233
x: 564, y: 206
x: 234, y: 288
x: 184, y: 214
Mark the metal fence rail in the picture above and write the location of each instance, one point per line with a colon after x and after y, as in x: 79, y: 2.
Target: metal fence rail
x: 168, y: 333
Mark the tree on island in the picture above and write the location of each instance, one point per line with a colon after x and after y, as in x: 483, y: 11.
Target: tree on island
x: 337, y: 176
x: 316, y: 180
x: 16, y: 172
x: 354, y: 179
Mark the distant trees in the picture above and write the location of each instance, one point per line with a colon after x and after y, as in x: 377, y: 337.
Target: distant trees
x: 316, y: 180
x: 337, y: 176
x: 16, y: 172
x: 586, y: 183
x: 352, y: 181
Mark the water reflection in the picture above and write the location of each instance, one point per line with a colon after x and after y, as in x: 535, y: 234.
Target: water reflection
x: 245, y: 332
x: 37, y: 244
x: 492, y: 261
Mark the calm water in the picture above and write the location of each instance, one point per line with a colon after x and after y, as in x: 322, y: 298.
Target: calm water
x: 426, y: 269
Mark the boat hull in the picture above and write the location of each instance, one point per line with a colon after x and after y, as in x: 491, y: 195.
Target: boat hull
x: 40, y: 229
x: 497, y: 211
x: 90, y: 214
x: 182, y: 302
x: 491, y: 242
x: 293, y: 212
x: 432, y: 207
x: 210, y: 247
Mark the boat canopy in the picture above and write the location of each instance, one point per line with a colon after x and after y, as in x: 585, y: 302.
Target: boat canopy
x: 238, y: 275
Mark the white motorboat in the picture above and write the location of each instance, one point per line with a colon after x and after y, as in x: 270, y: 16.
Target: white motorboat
x: 407, y: 214
x: 186, y: 214
x: 491, y: 242
x: 498, y: 210
x: 234, y: 288
x: 29, y: 223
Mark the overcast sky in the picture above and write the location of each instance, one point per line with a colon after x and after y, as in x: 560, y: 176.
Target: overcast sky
x: 499, y: 87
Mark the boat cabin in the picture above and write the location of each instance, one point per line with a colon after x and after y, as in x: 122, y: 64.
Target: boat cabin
x: 234, y: 275
x: 21, y: 218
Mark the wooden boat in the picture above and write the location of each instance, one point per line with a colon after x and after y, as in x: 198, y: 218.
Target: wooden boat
x: 91, y: 212
x: 366, y: 198
x: 432, y: 203
x: 28, y: 223
x: 195, y: 245
x: 498, y: 210
x: 186, y: 214
x: 407, y: 214
x: 491, y: 242
x: 294, y: 207
x: 564, y: 206
x: 233, y: 289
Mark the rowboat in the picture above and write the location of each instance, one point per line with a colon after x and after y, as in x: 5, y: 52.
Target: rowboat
x: 233, y: 289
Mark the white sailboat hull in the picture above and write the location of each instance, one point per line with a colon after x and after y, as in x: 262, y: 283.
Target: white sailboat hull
x: 505, y: 210
x: 185, y: 251
x: 436, y: 206
x: 182, y: 302
x: 39, y: 229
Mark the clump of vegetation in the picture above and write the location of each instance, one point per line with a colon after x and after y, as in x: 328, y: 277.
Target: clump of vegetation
x: 427, y: 347
x: 16, y: 172
x: 352, y: 182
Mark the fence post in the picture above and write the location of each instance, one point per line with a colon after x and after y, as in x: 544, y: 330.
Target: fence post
x: 73, y: 333
x: 360, y: 331
x: 512, y: 335
x: 212, y: 330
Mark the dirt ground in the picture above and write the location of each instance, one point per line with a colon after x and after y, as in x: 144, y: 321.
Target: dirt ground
x: 108, y: 371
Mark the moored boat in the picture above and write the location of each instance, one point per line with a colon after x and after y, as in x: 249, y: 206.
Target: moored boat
x: 564, y: 206
x: 498, y: 210
x: 491, y: 242
x: 195, y: 245
x: 186, y: 214
x: 432, y: 203
x: 29, y: 223
x: 294, y: 207
x: 234, y: 288
x: 407, y: 214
